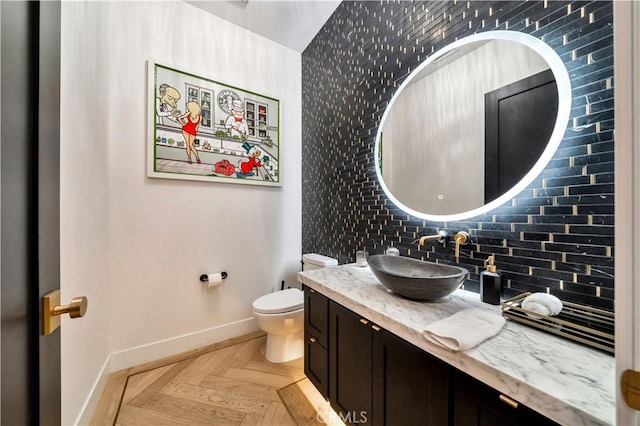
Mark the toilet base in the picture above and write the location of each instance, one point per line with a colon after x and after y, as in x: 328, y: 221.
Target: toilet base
x: 284, y: 347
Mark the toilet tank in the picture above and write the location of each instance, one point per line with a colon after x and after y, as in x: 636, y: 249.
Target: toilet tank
x: 312, y: 261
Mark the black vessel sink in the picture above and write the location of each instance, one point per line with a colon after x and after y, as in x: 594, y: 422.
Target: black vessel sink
x: 416, y: 279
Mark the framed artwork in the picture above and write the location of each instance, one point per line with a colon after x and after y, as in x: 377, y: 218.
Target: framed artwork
x: 202, y: 129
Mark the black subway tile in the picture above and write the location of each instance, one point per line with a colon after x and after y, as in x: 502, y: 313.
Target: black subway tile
x: 345, y: 209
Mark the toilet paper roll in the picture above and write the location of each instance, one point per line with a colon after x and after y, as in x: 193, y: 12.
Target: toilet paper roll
x: 214, y: 280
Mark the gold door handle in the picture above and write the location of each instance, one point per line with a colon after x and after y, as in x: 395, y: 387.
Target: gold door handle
x: 312, y: 340
x: 364, y: 321
x: 76, y: 309
x: 53, y: 309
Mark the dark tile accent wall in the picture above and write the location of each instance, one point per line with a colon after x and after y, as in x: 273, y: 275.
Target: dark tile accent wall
x: 558, y: 234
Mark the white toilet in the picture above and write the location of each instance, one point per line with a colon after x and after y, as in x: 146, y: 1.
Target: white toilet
x: 281, y: 315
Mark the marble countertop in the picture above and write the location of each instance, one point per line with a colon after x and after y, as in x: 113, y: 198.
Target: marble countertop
x: 569, y: 383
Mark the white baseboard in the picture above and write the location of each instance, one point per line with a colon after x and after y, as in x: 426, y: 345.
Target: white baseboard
x: 87, y: 410
x: 158, y: 350
x: 175, y: 345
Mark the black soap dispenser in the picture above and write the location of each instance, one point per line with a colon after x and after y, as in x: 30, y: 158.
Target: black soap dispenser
x: 490, y: 283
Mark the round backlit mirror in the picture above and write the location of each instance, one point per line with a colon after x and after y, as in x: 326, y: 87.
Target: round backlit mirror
x: 473, y: 125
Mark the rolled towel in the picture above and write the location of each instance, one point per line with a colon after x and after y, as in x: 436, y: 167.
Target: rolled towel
x: 465, y: 329
x: 542, y: 303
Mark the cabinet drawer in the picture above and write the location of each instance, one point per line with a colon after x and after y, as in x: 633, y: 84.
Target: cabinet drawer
x: 477, y: 404
x: 316, y: 364
x: 316, y: 315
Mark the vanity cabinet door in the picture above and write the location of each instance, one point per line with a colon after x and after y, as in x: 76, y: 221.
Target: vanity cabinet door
x: 349, y: 364
x: 316, y: 315
x: 410, y: 387
x: 316, y: 364
x: 476, y: 404
x: 316, y: 332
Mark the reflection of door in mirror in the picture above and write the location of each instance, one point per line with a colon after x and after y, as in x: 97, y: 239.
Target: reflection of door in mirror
x: 434, y: 138
x: 519, y: 121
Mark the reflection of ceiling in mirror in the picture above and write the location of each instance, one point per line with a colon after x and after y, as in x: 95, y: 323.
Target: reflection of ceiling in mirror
x: 449, y: 57
x: 437, y: 124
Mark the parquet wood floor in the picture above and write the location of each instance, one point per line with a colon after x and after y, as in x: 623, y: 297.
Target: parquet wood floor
x: 230, y: 383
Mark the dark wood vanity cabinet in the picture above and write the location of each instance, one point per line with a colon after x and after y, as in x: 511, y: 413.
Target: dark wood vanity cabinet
x: 377, y: 378
x: 477, y: 404
x: 350, y: 374
x: 371, y: 376
x: 410, y: 387
x: 316, y: 336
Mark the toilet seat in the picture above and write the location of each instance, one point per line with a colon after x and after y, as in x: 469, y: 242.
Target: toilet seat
x: 279, y: 302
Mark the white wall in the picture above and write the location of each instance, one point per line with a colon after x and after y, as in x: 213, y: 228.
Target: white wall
x: 162, y: 234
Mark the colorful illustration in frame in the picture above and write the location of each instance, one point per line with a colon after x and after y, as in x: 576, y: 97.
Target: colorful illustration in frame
x: 201, y: 129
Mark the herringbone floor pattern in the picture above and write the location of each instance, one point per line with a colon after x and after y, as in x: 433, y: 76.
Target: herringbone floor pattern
x: 231, y: 385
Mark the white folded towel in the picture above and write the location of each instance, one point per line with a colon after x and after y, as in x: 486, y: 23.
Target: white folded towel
x: 542, y: 303
x: 465, y: 329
